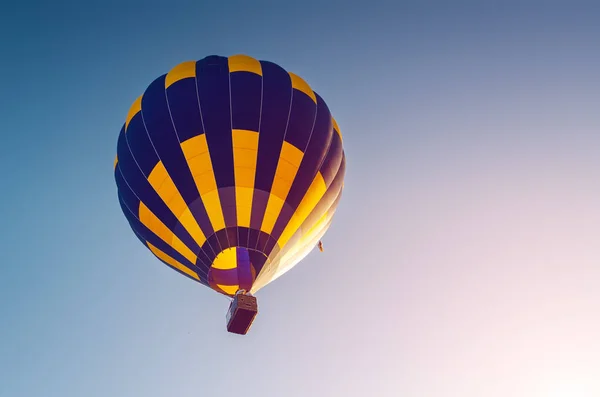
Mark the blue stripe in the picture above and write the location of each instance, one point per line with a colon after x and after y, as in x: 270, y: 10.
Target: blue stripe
x: 246, y: 96
x: 185, y: 111
x: 129, y: 176
x: 263, y: 239
x: 223, y: 239
x: 243, y: 235
x: 257, y: 259
x: 120, y: 137
x: 253, y: 237
x: 140, y: 146
x: 311, y: 162
x: 232, y: 236
x: 156, y: 241
x: 211, y: 240
x: 302, y: 118
x: 271, y: 242
x: 331, y: 195
x: 159, y: 125
x: 245, y: 278
x: 212, y: 79
x: 277, y: 94
x: 333, y: 159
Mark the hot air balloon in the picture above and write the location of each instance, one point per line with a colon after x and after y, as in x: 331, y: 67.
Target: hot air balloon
x: 229, y: 170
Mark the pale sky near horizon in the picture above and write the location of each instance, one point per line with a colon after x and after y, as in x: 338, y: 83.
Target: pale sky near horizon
x: 464, y: 259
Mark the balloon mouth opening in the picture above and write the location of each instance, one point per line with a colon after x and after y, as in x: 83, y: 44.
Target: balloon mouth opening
x: 235, y: 269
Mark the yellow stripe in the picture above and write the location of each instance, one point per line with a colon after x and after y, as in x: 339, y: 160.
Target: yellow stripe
x: 227, y: 259
x: 337, y: 128
x: 312, y: 197
x: 293, y: 253
x: 135, y: 108
x: 168, y: 192
x: 229, y: 289
x: 180, y: 72
x: 314, y: 229
x: 272, y: 212
x: 155, y: 225
x: 300, y: 251
x: 116, y: 162
x: 309, y: 229
x: 245, y: 152
x: 244, y: 63
x: 171, y: 261
x: 197, y: 156
x: 287, y: 167
x: 296, y: 248
x: 301, y: 85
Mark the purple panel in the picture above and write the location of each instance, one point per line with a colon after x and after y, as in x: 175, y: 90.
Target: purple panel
x: 131, y: 179
x: 270, y: 245
x: 253, y: 235
x: 302, y: 119
x: 228, y: 204
x: 246, y: 96
x: 144, y: 233
x: 277, y: 95
x: 315, y: 154
x: 183, y: 104
x: 333, y: 159
x: 199, y: 211
x: 203, y: 252
x: 212, y: 80
x: 243, y: 234
x: 223, y: 277
x: 257, y: 259
x: 158, y: 123
x: 259, y: 205
x: 232, y: 236
x: 311, y: 162
x: 212, y: 241
x: 274, y: 253
x: 139, y: 145
x: 244, y: 268
x: 223, y: 239
x: 262, y: 241
x: 332, y: 195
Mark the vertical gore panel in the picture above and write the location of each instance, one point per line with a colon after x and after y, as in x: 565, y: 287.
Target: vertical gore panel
x: 185, y: 111
x: 140, y: 146
x: 243, y: 233
x: 311, y: 162
x: 332, y: 193
x: 232, y: 236
x: 212, y: 241
x: 164, y: 138
x: 147, y: 235
x: 246, y: 98
x: 212, y: 78
x: 302, y: 119
x: 253, y: 235
x: 139, y: 185
x: 222, y: 236
x: 245, y: 278
x: 263, y: 239
x: 277, y: 94
x: 333, y: 159
x: 257, y: 259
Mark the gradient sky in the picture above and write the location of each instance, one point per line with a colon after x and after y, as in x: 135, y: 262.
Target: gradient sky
x: 464, y: 259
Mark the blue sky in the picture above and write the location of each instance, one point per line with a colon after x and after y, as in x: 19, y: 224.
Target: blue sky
x: 463, y: 260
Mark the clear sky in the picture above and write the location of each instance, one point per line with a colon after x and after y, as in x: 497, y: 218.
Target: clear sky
x: 464, y: 259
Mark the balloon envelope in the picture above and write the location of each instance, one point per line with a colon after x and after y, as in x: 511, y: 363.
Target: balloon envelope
x: 229, y: 170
